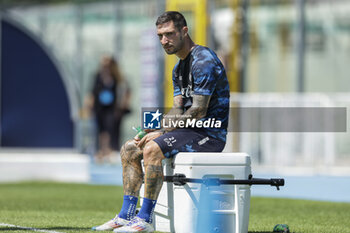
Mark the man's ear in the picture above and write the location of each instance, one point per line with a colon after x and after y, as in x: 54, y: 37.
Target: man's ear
x: 185, y: 30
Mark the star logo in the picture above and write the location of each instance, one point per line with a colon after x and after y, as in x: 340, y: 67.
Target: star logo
x: 156, y: 115
x: 152, y: 119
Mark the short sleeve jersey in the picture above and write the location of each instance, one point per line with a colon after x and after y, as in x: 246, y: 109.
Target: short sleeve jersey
x: 202, y: 73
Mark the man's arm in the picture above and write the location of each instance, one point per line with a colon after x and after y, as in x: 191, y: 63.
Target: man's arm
x: 177, y: 108
x: 197, y: 111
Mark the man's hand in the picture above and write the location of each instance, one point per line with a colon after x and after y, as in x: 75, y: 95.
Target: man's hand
x: 137, y: 139
x: 147, y: 138
x: 149, y: 130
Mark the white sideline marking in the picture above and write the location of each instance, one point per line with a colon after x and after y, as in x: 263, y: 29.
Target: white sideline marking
x: 28, y: 228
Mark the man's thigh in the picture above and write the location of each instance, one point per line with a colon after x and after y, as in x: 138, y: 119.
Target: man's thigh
x: 187, y: 140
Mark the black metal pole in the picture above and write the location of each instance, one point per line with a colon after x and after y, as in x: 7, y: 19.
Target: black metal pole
x: 180, y: 179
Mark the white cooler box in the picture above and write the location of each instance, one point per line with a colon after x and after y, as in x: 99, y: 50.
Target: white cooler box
x: 178, y: 206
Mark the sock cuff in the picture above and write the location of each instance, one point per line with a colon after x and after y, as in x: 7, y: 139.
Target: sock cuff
x: 130, y: 198
x: 150, y: 201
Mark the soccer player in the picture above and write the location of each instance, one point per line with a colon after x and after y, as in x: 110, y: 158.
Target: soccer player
x: 201, y: 93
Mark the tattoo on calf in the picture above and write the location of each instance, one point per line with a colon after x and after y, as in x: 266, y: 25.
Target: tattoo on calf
x: 153, y: 181
x: 131, y: 157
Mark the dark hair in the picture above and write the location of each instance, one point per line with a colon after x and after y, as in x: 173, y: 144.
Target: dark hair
x: 178, y: 19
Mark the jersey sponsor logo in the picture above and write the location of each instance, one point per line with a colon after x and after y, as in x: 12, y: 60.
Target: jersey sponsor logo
x: 187, y: 92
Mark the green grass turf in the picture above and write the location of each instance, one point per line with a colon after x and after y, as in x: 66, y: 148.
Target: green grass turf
x: 78, y: 207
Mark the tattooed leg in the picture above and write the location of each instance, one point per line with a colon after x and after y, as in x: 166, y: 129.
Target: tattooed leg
x: 153, y: 157
x: 131, y: 157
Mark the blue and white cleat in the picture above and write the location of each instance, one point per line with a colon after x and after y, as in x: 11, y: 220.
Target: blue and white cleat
x: 112, y: 224
x: 136, y: 225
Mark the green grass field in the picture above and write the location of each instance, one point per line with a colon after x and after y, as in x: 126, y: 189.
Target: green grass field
x: 77, y: 207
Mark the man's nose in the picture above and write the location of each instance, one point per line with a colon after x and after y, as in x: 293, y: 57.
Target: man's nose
x: 164, y: 40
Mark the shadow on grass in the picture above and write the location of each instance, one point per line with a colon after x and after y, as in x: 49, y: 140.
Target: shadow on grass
x: 265, y: 232
x: 45, y: 229
x: 67, y: 228
x: 260, y: 232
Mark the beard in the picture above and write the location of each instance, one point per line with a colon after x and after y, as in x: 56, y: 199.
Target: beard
x: 172, y: 49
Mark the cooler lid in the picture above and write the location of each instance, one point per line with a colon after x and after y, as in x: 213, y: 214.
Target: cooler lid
x: 212, y: 159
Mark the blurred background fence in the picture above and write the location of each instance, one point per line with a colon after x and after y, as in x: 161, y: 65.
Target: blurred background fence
x: 275, y: 52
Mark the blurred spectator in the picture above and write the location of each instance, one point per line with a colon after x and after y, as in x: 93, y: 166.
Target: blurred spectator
x: 109, y: 100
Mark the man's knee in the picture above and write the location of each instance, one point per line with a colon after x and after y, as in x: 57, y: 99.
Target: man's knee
x: 152, y: 153
x: 130, y: 152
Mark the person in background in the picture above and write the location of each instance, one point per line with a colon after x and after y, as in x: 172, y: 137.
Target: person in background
x: 109, y: 101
